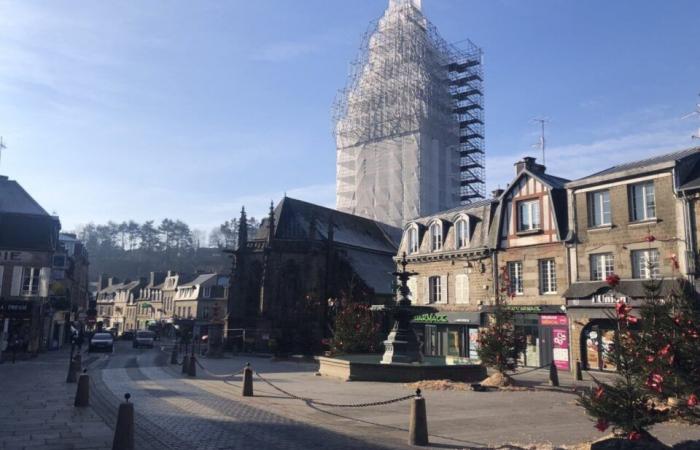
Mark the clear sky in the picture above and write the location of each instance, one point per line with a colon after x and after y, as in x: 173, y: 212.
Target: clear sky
x: 190, y: 109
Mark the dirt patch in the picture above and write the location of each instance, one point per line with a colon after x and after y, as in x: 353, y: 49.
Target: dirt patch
x: 439, y: 385
x: 498, y: 380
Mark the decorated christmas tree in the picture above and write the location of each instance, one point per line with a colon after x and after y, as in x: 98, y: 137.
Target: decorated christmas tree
x: 356, y: 330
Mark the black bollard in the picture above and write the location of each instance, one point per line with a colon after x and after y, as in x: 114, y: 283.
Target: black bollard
x: 173, y: 355
x: 579, y: 373
x: 185, y: 364
x: 82, y: 395
x: 192, y: 367
x: 247, y: 381
x: 124, y: 431
x: 553, y: 375
x: 72, y: 376
x: 78, y: 362
x: 418, y: 425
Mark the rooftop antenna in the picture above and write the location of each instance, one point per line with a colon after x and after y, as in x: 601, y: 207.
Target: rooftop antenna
x: 2, y: 147
x: 692, y: 114
x: 542, y: 143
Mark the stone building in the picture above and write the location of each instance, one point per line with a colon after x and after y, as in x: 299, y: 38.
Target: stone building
x: 302, y: 256
x: 637, y: 220
x: 147, y: 309
x: 28, y: 241
x: 202, y: 301
x: 452, y: 256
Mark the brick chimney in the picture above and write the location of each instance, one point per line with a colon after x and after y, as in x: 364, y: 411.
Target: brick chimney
x: 528, y: 162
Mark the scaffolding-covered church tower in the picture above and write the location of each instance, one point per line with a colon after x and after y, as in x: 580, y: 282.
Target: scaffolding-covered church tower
x: 409, y: 123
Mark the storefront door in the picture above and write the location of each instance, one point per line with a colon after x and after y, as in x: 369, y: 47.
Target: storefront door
x: 598, y: 339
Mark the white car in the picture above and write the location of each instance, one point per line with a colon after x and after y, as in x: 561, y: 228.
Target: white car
x: 101, y: 342
x: 144, y: 339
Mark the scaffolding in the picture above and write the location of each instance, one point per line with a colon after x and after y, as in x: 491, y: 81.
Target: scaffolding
x: 409, y: 123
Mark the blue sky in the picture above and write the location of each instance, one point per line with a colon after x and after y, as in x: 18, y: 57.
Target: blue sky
x: 144, y: 110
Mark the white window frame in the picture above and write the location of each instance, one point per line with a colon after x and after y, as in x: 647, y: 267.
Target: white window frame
x: 435, y: 289
x: 534, y: 223
x: 413, y: 244
x: 31, y: 279
x: 436, y: 237
x: 599, y: 204
x: 646, y: 263
x: 462, y: 289
x: 461, y: 233
x: 602, y: 265
x: 207, y: 292
x: 515, y: 275
x: 648, y: 198
x: 548, y: 276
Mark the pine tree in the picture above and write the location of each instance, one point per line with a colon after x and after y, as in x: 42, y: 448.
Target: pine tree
x: 356, y: 330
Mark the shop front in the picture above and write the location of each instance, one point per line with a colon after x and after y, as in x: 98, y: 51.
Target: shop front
x: 16, y: 325
x: 453, y: 335
x: 546, y: 333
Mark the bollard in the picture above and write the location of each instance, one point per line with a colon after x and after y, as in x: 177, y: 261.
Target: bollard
x: 72, y: 376
x: 579, y: 373
x: 173, y: 356
x: 418, y: 425
x: 192, y: 367
x: 124, y: 431
x: 185, y: 363
x: 553, y: 375
x: 78, y: 362
x: 82, y: 395
x: 247, y: 381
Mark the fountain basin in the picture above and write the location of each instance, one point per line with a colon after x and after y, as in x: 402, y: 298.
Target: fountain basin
x: 367, y: 367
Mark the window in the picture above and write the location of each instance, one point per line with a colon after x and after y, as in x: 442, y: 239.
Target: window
x: 645, y: 263
x: 599, y: 208
x: 548, y: 276
x: 515, y: 273
x: 436, y: 237
x: 434, y: 290
x: 412, y: 240
x: 602, y: 265
x: 461, y: 233
x: 207, y: 292
x: 642, y: 201
x: 30, y: 281
x: 529, y: 215
x: 462, y: 288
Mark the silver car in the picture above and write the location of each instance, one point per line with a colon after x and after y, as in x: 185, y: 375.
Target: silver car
x: 144, y: 339
x: 101, y: 342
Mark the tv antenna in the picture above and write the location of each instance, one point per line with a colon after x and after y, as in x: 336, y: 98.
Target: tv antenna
x: 2, y: 147
x: 542, y: 144
x: 693, y: 114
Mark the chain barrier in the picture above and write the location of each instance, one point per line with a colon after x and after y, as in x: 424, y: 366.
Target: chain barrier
x: 217, y: 375
x: 530, y: 370
x: 334, y: 405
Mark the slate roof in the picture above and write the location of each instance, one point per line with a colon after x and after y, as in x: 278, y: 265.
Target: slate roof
x: 294, y: 218
x: 200, y: 279
x: 659, y: 162
x: 14, y: 199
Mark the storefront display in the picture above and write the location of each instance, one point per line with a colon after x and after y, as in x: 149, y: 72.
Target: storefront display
x: 452, y: 335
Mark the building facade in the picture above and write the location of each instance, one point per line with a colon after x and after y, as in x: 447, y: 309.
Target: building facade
x: 203, y: 301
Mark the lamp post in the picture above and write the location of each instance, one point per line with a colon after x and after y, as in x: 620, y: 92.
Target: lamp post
x: 401, y: 345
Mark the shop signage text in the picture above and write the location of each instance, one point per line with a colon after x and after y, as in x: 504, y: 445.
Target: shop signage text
x: 15, y: 309
x: 14, y: 256
x: 430, y: 318
x: 524, y: 308
x: 553, y: 319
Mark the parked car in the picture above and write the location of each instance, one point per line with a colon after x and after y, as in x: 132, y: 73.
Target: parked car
x: 101, y: 342
x: 128, y: 336
x: 144, y: 339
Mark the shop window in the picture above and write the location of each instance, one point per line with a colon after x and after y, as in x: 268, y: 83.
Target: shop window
x: 436, y: 237
x: 642, y: 201
x: 645, y: 264
x: 434, y: 290
x: 515, y: 274
x: 462, y: 288
x: 599, y: 341
x: 599, y: 208
x: 529, y: 215
x: 548, y: 276
x: 602, y: 265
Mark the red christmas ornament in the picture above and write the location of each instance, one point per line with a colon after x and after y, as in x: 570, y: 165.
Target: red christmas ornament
x: 664, y: 351
x: 612, y: 280
x: 650, y: 238
x: 632, y: 319
x: 634, y: 436
x: 599, y: 392
x: 602, y: 425
x: 692, y: 401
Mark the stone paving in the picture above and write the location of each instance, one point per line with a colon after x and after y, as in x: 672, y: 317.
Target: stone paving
x: 36, y: 408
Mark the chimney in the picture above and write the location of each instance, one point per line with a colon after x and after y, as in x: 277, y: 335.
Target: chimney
x: 152, y: 279
x: 528, y: 162
x: 102, y: 281
x: 497, y: 193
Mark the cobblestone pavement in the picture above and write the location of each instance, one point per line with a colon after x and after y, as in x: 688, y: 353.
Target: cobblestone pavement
x: 36, y: 408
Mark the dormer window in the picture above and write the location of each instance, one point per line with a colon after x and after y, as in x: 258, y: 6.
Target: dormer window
x: 436, y: 237
x: 461, y: 233
x: 413, y: 243
x: 529, y: 215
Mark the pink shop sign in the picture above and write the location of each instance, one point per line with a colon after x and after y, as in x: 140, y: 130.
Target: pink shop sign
x: 560, y: 348
x: 553, y: 319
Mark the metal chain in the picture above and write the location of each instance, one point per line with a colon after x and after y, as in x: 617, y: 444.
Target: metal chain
x: 216, y: 375
x: 335, y: 405
x: 530, y: 370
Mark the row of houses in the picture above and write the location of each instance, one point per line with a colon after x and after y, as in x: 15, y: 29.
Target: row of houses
x: 546, y: 245
x: 545, y: 241
x: 43, y: 275
x: 163, y: 301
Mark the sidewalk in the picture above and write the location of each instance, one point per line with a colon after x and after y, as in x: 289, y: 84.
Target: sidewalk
x: 36, y: 408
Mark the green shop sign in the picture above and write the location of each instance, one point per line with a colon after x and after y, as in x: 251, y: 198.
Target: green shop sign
x: 430, y: 318
x: 524, y: 308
